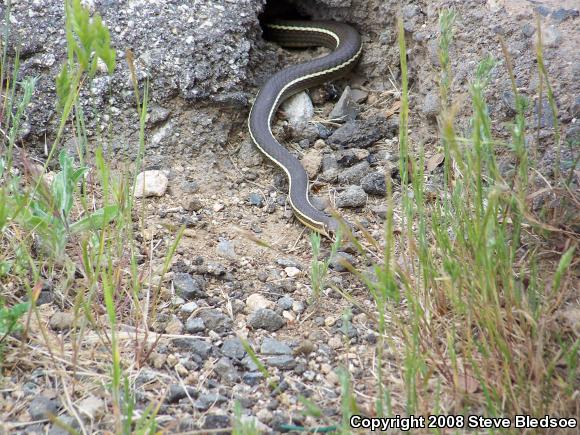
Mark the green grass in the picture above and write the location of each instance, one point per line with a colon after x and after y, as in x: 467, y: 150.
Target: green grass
x: 478, y: 329
x: 463, y: 292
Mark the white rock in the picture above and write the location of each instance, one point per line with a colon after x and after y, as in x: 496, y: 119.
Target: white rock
x: 256, y: 301
x: 298, y: 109
x: 151, y: 183
x: 292, y: 271
x: 92, y: 406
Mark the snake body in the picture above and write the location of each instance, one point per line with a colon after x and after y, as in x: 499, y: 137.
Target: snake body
x: 346, y: 45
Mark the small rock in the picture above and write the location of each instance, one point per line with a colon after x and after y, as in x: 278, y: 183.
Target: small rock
x: 312, y: 161
x: 306, y: 347
x: 187, y: 287
x: 283, y: 362
x: 217, y: 207
x: 249, y: 154
x: 61, y: 321
x: 547, y: 119
x: 213, y: 421
x: 298, y: 307
x: 194, y: 325
x: 205, y: 401
x: 354, y: 174
x: 93, y: 407
x: 256, y: 199
x: 431, y: 105
x: 289, y: 262
x: 256, y: 301
x: 562, y: 14
x: 233, y: 348
x: 350, y: 156
x: 225, y: 248
x: 329, y: 167
x: 329, y: 321
x: 352, y: 197
x: 271, y: 346
x: 292, y: 271
x: 337, y: 261
x: 65, y: 421
x: 363, y: 133
x: 199, y: 347
x: 177, y: 392
x: 216, y: 320
x: 42, y: 407
x: 151, y: 183
x: 264, y: 318
x: 285, y: 302
x: 252, y: 378
x: 298, y: 109
x: 189, y: 307
x: 358, y: 95
x: 249, y: 364
x: 194, y: 204
x: 346, y: 108
x: 226, y: 371
x: 380, y: 211
x: 174, y: 326
x: 374, y: 184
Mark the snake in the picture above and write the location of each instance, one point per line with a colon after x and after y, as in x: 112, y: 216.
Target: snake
x: 345, y: 43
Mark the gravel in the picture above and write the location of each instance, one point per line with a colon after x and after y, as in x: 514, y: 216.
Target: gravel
x: 265, y: 318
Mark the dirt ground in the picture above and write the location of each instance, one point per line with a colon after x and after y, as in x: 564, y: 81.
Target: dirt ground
x: 228, y: 196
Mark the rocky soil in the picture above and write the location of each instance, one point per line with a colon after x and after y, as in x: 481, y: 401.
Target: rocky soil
x: 204, y: 61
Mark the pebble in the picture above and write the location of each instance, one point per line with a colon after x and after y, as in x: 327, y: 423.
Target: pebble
x: 374, y: 184
x: 187, y: 287
x: 298, y: 307
x: 208, y: 399
x: 199, y: 347
x: 194, y: 204
x: 216, y: 321
x: 151, y: 183
x: 226, y: 370
x: 61, y: 321
x: 354, y: 174
x: 298, y: 109
x: 285, y: 302
x: 271, y: 346
x: 65, y: 420
x: 256, y: 199
x: 351, y: 197
x: 336, y: 261
x: 431, y: 105
x: 358, y: 95
x: 216, y: 421
x: 329, y: 321
x: 292, y: 272
x: 189, y: 307
x: 177, y: 392
x: 91, y: 406
x: 350, y: 156
x: 312, y: 162
x: 256, y: 302
x: 289, y: 262
x: 225, y: 249
x: 264, y: 318
x: 283, y: 362
x: 194, y: 325
x: 43, y: 407
x: 249, y: 154
x: 233, y: 348
x: 174, y: 326
x: 346, y: 109
x: 363, y: 133
x: 252, y: 378
x: 305, y: 347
